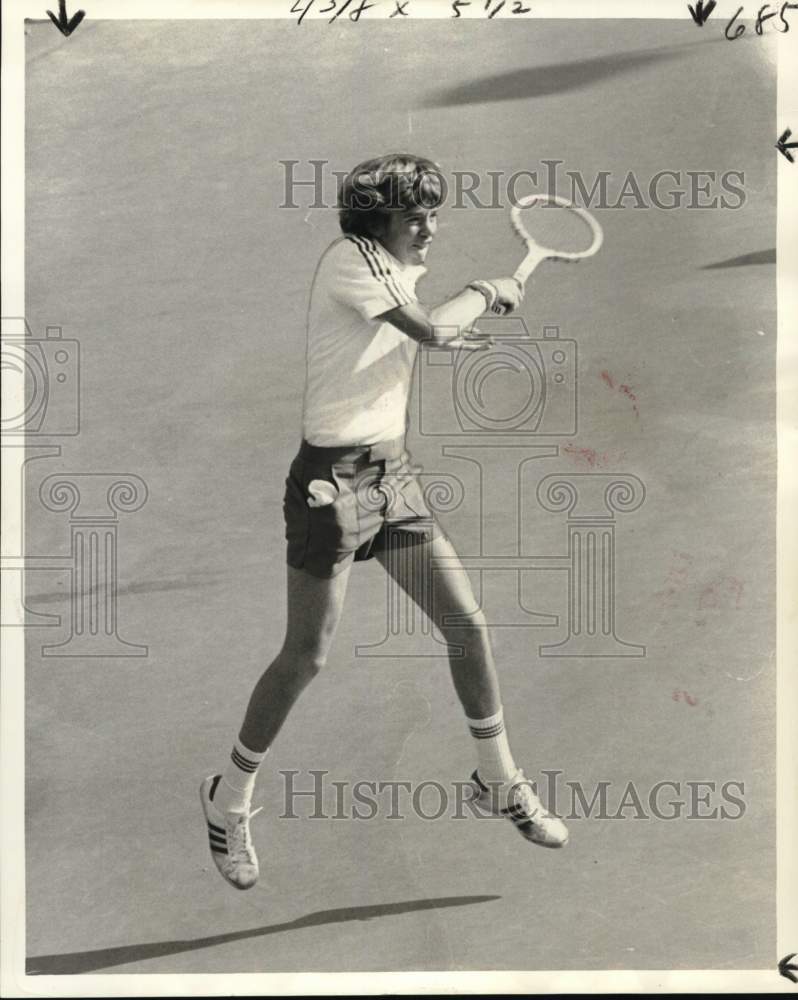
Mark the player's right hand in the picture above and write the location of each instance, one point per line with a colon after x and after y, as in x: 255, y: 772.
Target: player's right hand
x: 510, y: 294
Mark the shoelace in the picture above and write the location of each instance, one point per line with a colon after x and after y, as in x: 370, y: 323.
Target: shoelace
x: 525, y: 798
x: 240, y: 843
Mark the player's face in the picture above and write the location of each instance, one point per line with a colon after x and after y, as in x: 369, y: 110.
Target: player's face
x: 408, y: 234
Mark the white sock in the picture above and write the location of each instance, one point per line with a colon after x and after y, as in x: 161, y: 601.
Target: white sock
x: 494, y: 760
x: 234, y: 791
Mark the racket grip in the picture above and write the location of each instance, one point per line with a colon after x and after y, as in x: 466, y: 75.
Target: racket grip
x: 523, y: 272
x: 526, y: 267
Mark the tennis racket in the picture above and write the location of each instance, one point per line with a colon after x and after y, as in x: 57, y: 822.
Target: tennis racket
x: 558, y: 225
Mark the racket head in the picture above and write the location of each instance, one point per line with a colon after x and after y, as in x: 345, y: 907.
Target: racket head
x: 543, y: 252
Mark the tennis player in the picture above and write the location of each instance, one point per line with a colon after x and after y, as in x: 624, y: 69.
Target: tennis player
x: 351, y: 485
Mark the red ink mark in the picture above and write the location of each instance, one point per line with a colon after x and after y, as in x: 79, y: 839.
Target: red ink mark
x: 624, y: 389
x: 708, y: 599
x: 590, y: 457
x: 677, y: 577
x: 720, y: 592
x: 679, y: 695
x: 735, y: 586
x: 587, y: 455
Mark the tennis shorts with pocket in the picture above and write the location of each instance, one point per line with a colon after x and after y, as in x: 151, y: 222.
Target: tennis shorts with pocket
x: 342, y: 504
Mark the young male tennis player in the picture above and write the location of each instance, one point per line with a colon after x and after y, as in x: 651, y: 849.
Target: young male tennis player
x: 365, y: 325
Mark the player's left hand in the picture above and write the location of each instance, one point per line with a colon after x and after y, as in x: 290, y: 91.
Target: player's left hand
x: 471, y: 340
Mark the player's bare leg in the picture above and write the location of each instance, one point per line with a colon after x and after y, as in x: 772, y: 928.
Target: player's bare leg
x: 500, y: 785
x: 314, y: 610
x: 451, y: 595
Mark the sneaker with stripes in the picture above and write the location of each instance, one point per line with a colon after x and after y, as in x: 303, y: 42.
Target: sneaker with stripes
x: 229, y: 839
x: 516, y: 800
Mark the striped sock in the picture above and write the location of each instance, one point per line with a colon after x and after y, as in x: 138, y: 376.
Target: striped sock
x: 234, y: 791
x: 494, y: 760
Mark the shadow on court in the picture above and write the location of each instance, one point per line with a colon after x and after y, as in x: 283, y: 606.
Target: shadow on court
x: 744, y: 260
x: 555, y: 78
x: 189, y: 581
x: 77, y: 962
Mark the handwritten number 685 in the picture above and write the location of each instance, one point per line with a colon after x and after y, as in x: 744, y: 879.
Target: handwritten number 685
x: 761, y: 17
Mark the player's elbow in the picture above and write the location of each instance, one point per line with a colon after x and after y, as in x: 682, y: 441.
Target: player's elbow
x: 435, y: 335
x: 432, y: 335
x: 415, y: 323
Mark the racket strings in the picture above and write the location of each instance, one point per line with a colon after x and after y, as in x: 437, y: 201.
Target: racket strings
x: 554, y: 227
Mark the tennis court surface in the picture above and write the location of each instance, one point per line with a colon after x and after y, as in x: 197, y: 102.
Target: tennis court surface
x: 155, y: 238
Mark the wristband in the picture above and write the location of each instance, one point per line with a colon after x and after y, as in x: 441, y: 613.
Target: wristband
x: 488, y: 290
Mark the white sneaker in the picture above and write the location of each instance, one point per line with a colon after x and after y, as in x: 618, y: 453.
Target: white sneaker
x: 229, y: 840
x: 516, y: 800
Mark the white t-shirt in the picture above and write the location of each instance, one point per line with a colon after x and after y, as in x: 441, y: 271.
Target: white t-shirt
x: 358, y: 368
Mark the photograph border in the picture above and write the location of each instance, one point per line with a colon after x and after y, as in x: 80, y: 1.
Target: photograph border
x: 13, y: 980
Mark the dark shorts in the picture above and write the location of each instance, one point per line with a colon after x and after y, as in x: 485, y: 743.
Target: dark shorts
x: 359, y: 498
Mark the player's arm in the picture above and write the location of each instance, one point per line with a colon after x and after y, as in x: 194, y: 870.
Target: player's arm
x: 448, y: 323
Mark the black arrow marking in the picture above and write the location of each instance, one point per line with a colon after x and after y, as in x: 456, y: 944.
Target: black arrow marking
x: 784, y: 147
x: 64, y: 24
x: 785, y: 969
x: 701, y: 13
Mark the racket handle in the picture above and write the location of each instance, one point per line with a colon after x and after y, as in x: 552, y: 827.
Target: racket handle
x: 526, y: 267
x: 523, y: 272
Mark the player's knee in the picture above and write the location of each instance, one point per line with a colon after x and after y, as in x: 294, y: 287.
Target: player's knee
x: 314, y: 663
x: 304, y: 659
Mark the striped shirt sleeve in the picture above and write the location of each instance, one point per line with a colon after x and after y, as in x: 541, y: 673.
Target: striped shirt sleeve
x: 366, y: 280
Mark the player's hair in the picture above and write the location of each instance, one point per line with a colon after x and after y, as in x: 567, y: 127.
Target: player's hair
x: 394, y: 182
